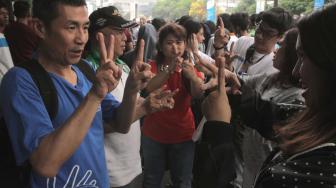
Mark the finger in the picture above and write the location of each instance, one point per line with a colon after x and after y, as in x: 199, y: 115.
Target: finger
x: 140, y: 52
x: 102, y: 47
x: 221, y: 74
x: 110, y: 48
x: 175, y: 92
x: 209, y: 85
x: 158, y: 92
x: 221, y: 23
x: 109, y: 64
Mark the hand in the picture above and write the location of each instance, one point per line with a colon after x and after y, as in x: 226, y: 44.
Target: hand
x: 221, y: 36
x: 159, y: 100
x: 231, y: 77
x: 108, y: 74
x: 140, y: 72
x: 72, y: 181
x: 215, y: 106
x: 193, y: 43
x: 188, y: 69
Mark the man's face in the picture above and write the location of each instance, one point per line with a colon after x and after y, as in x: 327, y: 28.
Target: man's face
x: 67, y: 35
x: 119, y: 39
x: 4, y: 19
x: 265, y: 38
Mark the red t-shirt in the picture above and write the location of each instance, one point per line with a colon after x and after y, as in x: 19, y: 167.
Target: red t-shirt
x: 175, y: 125
x: 22, y: 42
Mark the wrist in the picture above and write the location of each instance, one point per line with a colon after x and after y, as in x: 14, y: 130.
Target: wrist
x: 218, y: 47
x: 92, y: 96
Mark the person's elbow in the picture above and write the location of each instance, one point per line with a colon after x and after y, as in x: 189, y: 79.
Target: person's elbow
x: 116, y: 127
x: 43, y: 168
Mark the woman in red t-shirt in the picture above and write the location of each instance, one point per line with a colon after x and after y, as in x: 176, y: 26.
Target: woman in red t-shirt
x: 167, y: 134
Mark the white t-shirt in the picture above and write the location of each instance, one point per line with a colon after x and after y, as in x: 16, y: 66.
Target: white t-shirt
x: 211, y: 50
x: 122, y: 151
x: 6, y: 61
x: 263, y: 62
x: 205, y: 57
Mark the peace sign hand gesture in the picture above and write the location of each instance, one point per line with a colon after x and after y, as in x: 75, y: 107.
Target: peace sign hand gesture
x: 140, y: 72
x: 108, y: 74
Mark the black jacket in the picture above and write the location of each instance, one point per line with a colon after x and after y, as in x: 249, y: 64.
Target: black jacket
x: 314, y: 168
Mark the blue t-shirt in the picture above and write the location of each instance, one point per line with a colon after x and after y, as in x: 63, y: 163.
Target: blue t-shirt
x: 28, y: 122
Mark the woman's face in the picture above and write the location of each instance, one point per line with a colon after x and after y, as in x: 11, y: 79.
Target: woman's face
x: 200, y: 35
x: 172, y: 47
x: 312, y: 78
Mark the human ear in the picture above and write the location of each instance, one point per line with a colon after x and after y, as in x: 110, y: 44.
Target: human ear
x: 39, y: 27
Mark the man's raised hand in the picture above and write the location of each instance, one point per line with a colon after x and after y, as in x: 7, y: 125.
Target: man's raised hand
x: 108, y: 74
x: 140, y: 72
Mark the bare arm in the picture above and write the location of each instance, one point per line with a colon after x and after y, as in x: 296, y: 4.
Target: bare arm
x: 57, y: 147
x: 195, y: 82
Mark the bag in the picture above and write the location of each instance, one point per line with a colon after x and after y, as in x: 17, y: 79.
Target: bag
x: 12, y: 175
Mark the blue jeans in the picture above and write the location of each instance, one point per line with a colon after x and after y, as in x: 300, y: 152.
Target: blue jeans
x: 179, y: 158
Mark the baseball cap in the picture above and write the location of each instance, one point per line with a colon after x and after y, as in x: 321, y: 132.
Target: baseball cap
x: 108, y: 16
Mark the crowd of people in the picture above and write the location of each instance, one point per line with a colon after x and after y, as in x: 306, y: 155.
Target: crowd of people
x: 101, y: 101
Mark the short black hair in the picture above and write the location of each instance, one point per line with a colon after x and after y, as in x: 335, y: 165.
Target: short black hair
x: 183, y: 19
x: 21, y: 9
x: 227, y: 22
x: 47, y: 10
x: 158, y: 23
x: 211, y: 25
x: 277, y: 18
x: 240, y: 20
x: 3, y: 5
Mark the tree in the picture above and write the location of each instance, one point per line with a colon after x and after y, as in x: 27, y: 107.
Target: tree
x: 296, y: 7
x: 300, y: 6
x: 171, y: 9
x: 248, y: 6
x: 198, y: 9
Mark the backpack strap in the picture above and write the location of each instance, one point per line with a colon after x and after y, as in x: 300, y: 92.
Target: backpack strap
x: 45, y: 85
x: 12, y: 175
x: 87, y: 70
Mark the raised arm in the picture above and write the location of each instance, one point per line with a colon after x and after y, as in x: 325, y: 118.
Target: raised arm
x: 58, y: 146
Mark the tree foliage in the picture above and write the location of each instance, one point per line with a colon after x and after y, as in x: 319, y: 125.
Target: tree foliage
x: 248, y: 6
x: 171, y: 9
x: 298, y: 6
x: 198, y: 9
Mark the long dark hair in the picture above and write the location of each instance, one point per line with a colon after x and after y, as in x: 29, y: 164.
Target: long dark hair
x: 317, y: 125
x: 169, y: 29
x: 192, y: 27
x: 285, y: 76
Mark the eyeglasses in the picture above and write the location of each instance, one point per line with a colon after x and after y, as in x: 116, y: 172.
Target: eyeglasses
x: 265, y: 31
x: 277, y: 45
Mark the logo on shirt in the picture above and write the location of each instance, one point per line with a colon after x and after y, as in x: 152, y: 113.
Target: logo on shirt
x: 74, y: 181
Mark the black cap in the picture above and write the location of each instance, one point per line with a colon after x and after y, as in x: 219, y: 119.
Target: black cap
x: 108, y: 16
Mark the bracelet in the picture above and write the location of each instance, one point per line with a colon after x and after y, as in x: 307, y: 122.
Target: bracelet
x: 164, y: 68
x: 218, y: 48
